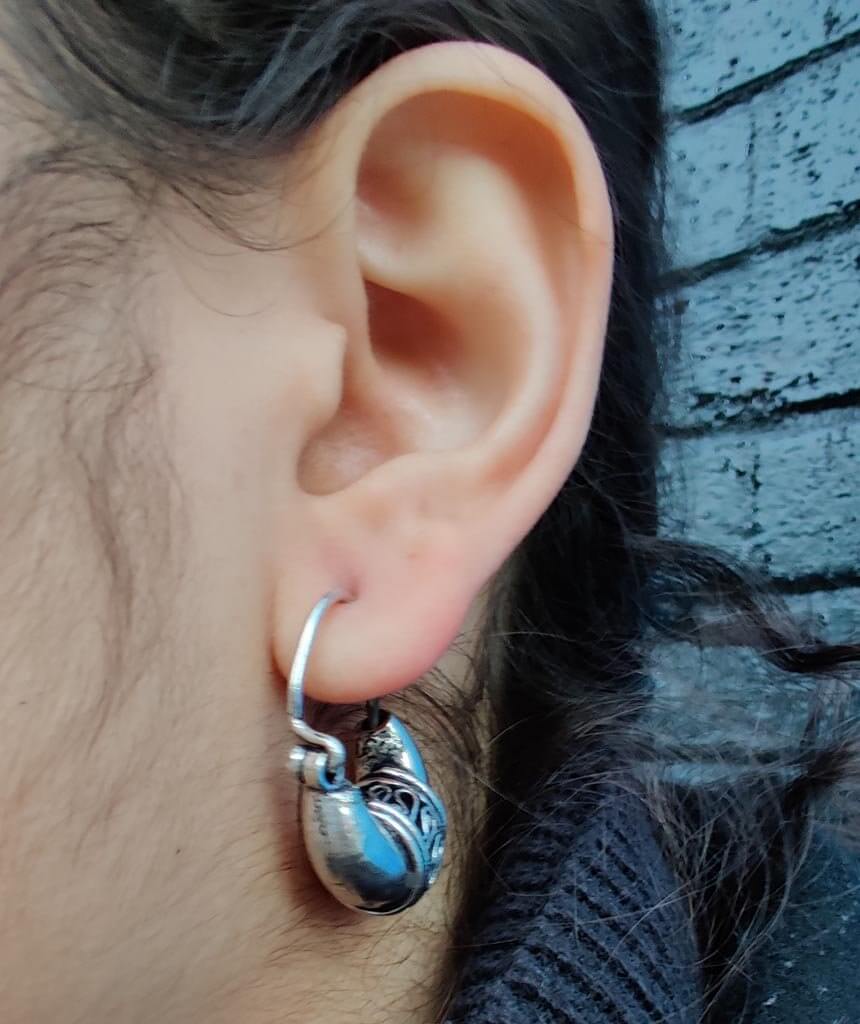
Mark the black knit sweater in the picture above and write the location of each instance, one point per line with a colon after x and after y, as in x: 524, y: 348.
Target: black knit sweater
x: 587, y: 925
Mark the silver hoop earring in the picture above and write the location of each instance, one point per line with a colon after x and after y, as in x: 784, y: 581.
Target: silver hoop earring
x: 375, y: 844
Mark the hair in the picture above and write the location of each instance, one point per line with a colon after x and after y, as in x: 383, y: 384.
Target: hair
x: 166, y: 90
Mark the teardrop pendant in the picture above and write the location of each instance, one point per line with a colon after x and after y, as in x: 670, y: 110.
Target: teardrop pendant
x: 377, y: 844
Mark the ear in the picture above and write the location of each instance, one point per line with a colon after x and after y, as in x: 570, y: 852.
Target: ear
x: 470, y: 267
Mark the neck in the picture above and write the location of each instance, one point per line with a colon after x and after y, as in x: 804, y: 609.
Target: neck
x: 341, y: 969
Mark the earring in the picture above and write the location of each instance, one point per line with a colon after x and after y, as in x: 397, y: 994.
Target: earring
x: 375, y: 844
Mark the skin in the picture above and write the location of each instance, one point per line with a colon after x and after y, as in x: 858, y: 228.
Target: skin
x: 215, y: 438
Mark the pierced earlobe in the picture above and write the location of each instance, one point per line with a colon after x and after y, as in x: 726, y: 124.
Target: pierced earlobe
x: 376, y: 844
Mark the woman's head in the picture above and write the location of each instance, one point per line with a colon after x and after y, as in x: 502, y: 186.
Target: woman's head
x: 292, y: 298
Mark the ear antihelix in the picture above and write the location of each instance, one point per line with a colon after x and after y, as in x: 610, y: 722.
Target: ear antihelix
x: 376, y: 843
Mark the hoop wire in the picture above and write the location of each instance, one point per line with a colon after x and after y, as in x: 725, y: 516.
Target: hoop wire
x: 335, y: 750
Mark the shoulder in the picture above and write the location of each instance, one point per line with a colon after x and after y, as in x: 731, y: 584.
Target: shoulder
x: 587, y: 922
x: 807, y: 970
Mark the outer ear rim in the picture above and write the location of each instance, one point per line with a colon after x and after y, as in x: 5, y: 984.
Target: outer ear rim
x: 506, y: 78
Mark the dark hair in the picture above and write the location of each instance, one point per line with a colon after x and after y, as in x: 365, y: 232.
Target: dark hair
x: 162, y: 86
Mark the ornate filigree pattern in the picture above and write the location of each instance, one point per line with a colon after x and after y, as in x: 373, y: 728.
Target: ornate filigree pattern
x: 419, y: 808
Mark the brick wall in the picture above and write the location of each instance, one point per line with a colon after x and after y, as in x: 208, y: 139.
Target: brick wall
x: 765, y: 214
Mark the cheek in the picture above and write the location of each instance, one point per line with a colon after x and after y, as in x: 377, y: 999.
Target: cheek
x: 136, y: 763
x: 137, y: 809
x: 54, y: 773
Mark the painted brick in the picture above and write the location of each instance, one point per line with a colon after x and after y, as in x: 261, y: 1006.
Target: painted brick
x: 722, y: 695
x: 835, y: 615
x: 789, y: 155
x: 727, y: 696
x: 717, y: 45
x: 767, y: 337
x: 832, y: 615
x: 784, y: 499
x: 781, y: 328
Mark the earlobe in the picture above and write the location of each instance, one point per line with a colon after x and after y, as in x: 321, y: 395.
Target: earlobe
x: 481, y: 236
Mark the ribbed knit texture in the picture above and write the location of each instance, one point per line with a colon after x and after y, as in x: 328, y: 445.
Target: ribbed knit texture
x: 587, y: 925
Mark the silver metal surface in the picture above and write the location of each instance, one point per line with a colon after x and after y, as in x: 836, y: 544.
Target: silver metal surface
x: 377, y: 844
x: 335, y: 750
x: 387, y: 744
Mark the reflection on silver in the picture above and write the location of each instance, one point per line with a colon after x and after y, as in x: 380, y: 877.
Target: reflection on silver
x: 376, y: 844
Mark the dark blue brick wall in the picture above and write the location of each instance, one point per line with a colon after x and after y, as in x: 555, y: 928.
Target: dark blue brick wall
x: 765, y: 230
x: 765, y: 404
